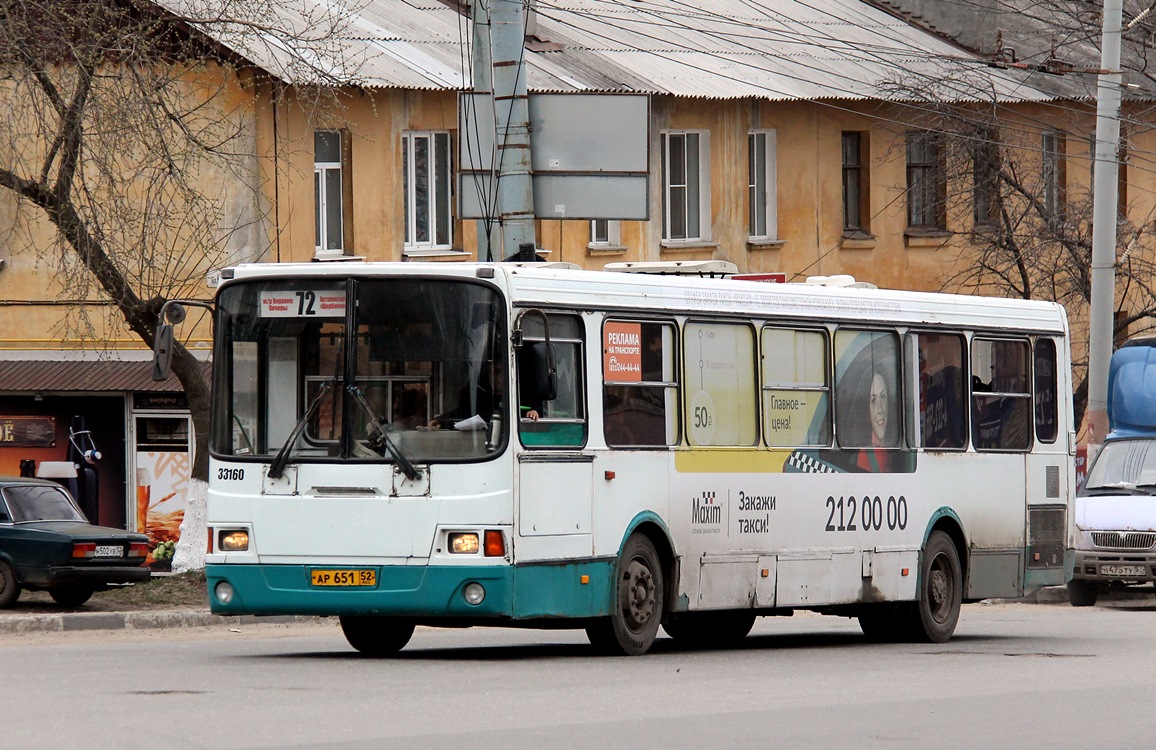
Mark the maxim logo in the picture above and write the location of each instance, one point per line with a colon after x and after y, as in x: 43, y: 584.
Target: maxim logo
x: 705, y: 511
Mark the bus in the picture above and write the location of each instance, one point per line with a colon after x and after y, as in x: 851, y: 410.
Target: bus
x: 458, y: 444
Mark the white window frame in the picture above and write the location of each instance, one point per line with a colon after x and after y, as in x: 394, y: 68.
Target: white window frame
x: 321, y: 172
x: 763, y: 200
x: 610, y: 237
x: 412, y: 245
x: 1053, y: 173
x: 671, y: 204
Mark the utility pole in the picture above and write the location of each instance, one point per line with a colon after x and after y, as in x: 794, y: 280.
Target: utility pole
x: 1104, y: 211
x: 515, y: 189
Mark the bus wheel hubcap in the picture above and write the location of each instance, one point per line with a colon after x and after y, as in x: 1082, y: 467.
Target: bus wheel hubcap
x: 938, y: 594
x: 638, y: 594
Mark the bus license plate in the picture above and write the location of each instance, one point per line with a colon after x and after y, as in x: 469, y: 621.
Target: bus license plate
x: 361, y: 577
x: 1123, y: 570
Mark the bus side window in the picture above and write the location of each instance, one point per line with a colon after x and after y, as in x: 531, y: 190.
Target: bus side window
x: 796, y: 388
x: 561, y: 420
x: 868, y: 398
x: 1001, y: 398
x: 942, y: 400
x: 721, y: 398
x: 640, y: 392
x: 1046, y: 388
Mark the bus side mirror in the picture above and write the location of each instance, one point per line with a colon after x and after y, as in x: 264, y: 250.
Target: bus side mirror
x: 537, y: 377
x: 163, y: 352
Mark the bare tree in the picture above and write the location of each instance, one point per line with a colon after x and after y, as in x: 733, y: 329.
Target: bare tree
x: 127, y: 130
x: 1009, y: 188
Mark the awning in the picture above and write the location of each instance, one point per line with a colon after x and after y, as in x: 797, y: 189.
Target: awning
x: 71, y: 376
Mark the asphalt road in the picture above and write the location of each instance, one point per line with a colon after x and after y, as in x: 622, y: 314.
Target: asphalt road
x: 1015, y: 675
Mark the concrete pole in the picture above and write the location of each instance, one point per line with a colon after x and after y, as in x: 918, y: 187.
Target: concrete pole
x: 1104, y: 211
x: 481, y: 74
x: 512, y: 125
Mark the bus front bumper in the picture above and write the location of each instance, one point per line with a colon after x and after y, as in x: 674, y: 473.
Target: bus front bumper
x: 576, y: 589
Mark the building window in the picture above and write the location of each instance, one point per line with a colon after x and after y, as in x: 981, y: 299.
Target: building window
x: 605, y: 233
x: 926, y: 184
x: 428, y: 184
x: 1054, y: 176
x: 985, y: 163
x: 1121, y: 173
x: 685, y: 185
x: 856, y: 178
x: 1122, y: 179
x: 762, y: 191
x: 329, y: 175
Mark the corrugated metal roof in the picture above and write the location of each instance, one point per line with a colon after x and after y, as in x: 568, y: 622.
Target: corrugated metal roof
x: 776, y: 49
x: 57, y: 376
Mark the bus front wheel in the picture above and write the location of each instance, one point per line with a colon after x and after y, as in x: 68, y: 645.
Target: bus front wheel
x: 376, y: 636
x: 631, y: 628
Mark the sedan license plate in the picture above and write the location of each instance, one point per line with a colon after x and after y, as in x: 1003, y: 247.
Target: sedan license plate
x: 1136, y: 571
x: 359, y: 577
x: 109, y: 550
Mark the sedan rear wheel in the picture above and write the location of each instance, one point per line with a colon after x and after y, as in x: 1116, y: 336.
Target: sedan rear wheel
x: 70, y: 596
x: 9, y: 588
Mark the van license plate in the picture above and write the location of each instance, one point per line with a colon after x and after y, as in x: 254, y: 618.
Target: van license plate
x: 360, y: 577
x: 1138, y: 571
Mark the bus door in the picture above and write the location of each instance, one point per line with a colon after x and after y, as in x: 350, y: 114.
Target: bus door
x: 555, y: 472
x: 1048, y: 464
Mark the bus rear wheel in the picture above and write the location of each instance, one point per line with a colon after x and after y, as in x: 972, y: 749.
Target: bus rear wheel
x: 940, y: 591
x: 632, y: 626
x: 376, y: 636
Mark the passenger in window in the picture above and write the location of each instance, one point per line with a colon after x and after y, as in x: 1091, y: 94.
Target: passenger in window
x: 876, y: 458
x: 409, y: 410
x: 480, y: 399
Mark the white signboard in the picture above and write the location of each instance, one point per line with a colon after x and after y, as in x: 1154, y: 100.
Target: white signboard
x: 304, y: 303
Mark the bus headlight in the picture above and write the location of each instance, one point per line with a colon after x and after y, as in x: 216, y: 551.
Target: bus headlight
x: 474, y: 593
x: 464, y: 544
x: 233, y: 540
x: 224, y: 592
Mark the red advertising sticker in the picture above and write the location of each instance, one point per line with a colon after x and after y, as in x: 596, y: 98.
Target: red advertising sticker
x: 622, y: 352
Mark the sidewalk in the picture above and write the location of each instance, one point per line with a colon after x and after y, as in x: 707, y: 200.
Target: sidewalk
x: 22, y: 622
x: 35, y: 612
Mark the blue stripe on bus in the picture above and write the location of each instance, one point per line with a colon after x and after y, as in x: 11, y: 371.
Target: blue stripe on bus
x: 512, y: 592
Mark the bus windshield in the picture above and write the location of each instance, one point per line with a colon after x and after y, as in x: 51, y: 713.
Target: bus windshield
x: 360, y: 370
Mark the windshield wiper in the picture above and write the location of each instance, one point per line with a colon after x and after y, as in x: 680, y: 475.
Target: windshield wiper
x: 282, y: 458
x: 411, y: 472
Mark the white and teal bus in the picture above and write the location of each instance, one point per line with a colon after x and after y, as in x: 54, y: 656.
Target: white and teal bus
x: 450, y: 444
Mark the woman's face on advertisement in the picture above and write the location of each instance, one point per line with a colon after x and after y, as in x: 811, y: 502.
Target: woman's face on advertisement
x: 879, y: 407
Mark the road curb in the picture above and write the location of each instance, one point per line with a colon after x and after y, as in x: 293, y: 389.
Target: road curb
x: 81, y: 621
